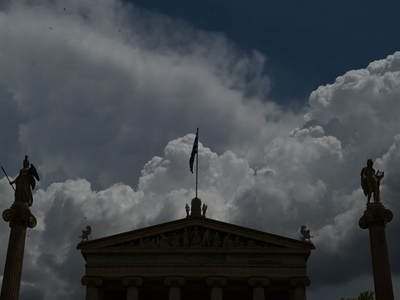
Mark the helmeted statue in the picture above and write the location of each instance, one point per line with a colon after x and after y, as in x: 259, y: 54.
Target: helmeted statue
x: 25, y: 182
x: 370, y: 181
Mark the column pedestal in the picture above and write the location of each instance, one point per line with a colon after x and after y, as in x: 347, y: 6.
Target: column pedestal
x: 375, y: 218
x: 19, y: 217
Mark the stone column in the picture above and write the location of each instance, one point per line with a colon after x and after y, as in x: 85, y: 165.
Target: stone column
x: 19, y: 217
x: 216, y: 284
x: 174, y: 284
x: 375, y: 218
x: 298, y: 290
x: 258, y: 285
x: 92, y: 287
x: 132, y: 287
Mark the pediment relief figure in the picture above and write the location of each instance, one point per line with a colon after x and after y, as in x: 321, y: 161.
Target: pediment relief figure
x: 196, y: 236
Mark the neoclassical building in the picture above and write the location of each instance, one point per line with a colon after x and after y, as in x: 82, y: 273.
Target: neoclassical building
x: 195, y: 258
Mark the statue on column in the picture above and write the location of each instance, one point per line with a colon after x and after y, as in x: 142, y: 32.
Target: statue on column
x: 370, y: 181
x: 19, y: 218
x: 25, y: 182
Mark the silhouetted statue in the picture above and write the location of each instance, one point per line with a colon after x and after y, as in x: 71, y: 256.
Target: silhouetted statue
x: 370, y: 181
x: 305, y: 234
x: 86, y: 234
x: 25, y: 182
x: 204, y: 209
x: 187, y: 210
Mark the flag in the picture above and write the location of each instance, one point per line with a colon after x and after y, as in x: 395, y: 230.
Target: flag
x: 194, y: 151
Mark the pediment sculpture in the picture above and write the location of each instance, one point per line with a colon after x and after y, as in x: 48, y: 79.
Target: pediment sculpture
x: 195, y: 236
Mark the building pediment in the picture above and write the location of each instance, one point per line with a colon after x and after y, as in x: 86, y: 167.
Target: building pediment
x: 195, y: 232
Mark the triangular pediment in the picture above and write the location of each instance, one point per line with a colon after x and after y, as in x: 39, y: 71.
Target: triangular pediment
x: 195, y: 232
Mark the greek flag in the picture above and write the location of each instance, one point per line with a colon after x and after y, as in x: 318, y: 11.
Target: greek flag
x: 194, y: 151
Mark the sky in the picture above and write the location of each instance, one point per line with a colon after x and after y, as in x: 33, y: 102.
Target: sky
x: 291, y: 99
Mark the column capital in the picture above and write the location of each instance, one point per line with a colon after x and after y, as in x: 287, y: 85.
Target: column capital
x: 19, y: 214
x: 93, y: 281
x: 132, y: 281
x: 375, y: 215
x: 299, y: 282
x: 258, y: 281
x: 216, y: 281
x: 177, y: 281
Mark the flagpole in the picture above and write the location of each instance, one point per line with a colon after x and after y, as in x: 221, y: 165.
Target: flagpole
x: 197, y: 161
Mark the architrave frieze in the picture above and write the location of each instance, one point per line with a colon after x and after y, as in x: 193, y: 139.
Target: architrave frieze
x: 195, y: 271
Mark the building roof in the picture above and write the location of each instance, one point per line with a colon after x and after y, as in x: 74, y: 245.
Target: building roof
x: 194, y: 234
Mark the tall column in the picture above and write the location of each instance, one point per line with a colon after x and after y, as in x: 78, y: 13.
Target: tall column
x: 174, y: 284
x: 375, y: 218
x: 298, y: 291
x: 19, y: 217
x: 92, y: 287
x: 132, y: 284
x: 216, y: 284
x: 258, y: 285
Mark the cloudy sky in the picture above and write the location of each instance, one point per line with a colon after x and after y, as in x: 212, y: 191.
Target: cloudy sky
x: 291, y: 99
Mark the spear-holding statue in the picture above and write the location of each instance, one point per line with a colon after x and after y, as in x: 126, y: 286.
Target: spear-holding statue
x: 19, y: 218
x: 25, y: 182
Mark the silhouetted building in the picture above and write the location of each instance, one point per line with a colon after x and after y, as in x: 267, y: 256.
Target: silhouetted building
x: 196, y: 258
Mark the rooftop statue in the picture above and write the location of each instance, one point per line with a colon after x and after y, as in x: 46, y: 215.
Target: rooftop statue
x: 305, y: 234
x: 86, y: 234
x: 204, y: 209
x: 187, y: 210
x: 370, y: 181
x: 25, y: 182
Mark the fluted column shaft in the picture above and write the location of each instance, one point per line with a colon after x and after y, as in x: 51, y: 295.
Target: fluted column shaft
x: 132, y: 284
x: 92, y: 287
x: 258, y: 285
x: 174, y: 284
x: 298, y: 291
x: 375, y: 219
x: 14, y: 261
x: 216, y: 284
x: 19, y: 217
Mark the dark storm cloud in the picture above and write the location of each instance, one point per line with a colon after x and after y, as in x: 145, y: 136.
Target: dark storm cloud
x: 102, y: 89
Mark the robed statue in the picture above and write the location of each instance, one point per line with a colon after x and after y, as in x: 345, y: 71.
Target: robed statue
x: 25, y: 182
x: 370, y: 181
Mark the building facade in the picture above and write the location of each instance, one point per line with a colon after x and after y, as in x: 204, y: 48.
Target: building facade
x: 195, y: 258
